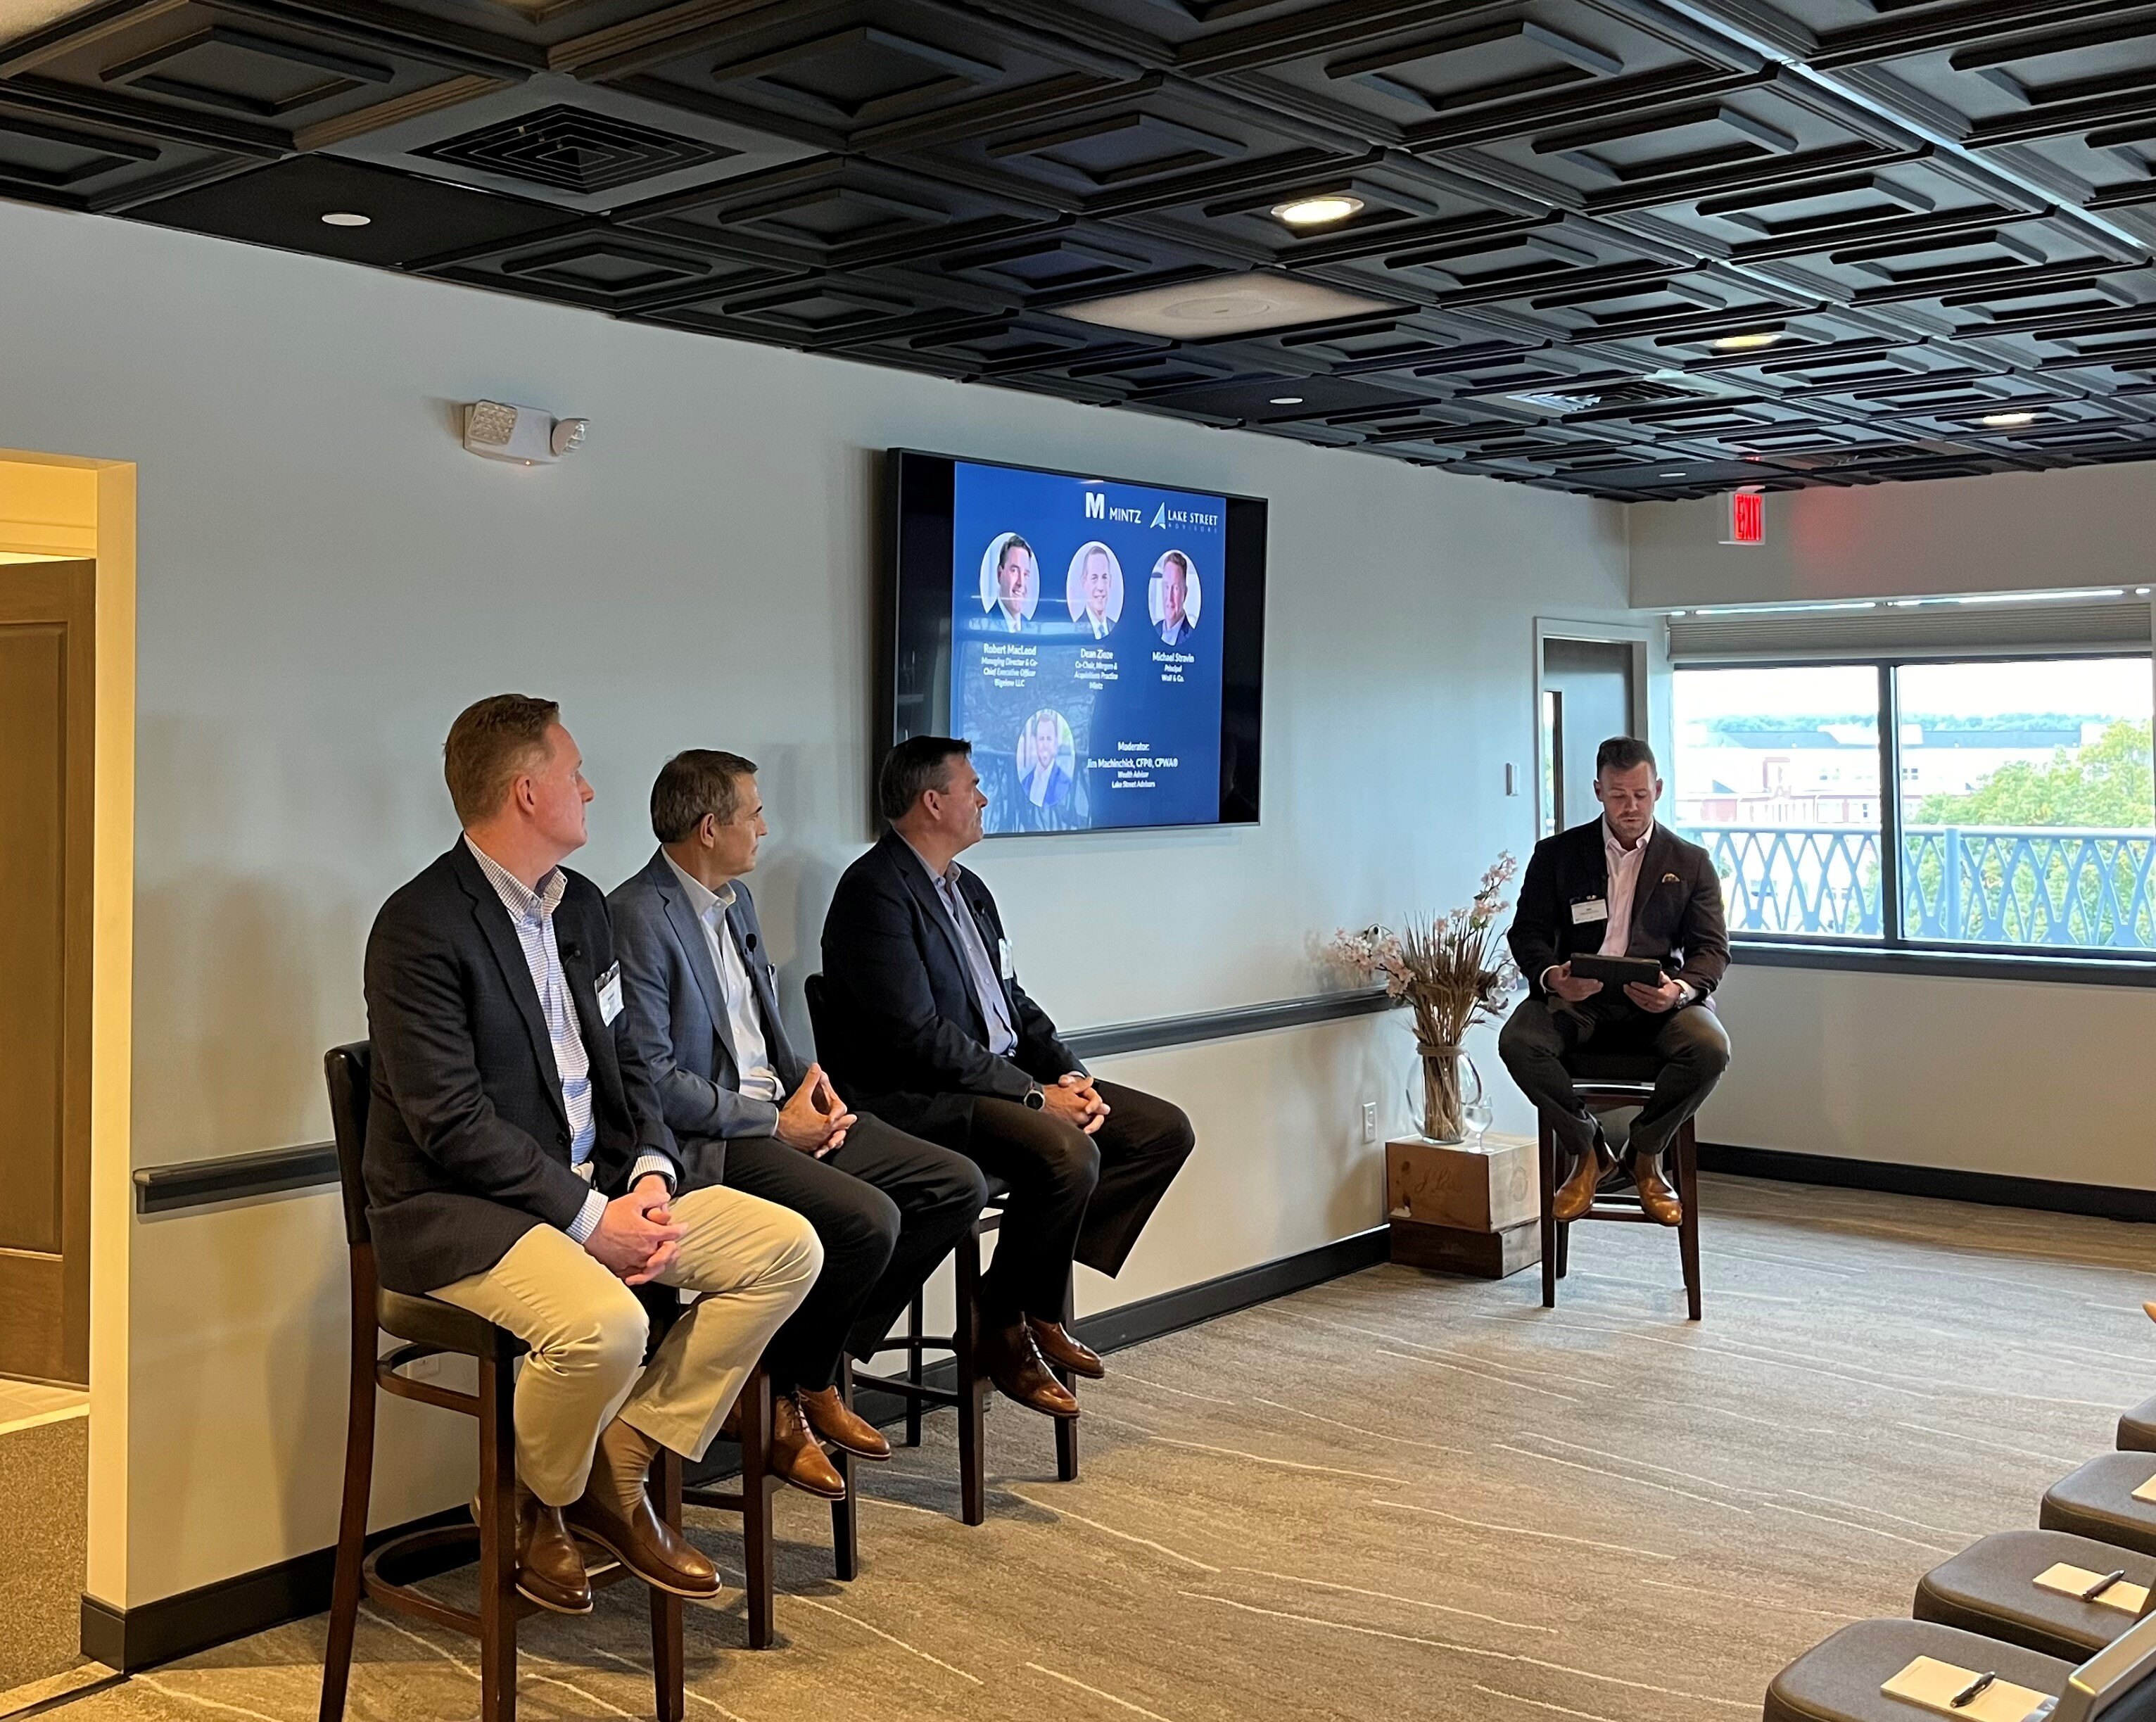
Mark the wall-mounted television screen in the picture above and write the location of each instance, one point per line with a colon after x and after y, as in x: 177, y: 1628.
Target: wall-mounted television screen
x: 1100, y: 641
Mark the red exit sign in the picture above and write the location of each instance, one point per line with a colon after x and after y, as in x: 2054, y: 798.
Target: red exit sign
x: 1748, y: 518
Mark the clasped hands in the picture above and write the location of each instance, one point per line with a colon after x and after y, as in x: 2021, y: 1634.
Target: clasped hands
x: 1658, y: 998
x: 1075, y: 1101
x: 636, y: 1239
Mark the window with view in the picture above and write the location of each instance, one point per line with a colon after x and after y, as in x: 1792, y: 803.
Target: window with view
x: 2024, y: 815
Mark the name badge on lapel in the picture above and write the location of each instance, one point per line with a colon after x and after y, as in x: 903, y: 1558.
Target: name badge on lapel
x: 610, y: 995
x: 1589, y: 908
x: 1004, y: 967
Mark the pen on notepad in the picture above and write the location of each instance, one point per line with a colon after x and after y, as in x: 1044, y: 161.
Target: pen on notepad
x: 1969, y: 1693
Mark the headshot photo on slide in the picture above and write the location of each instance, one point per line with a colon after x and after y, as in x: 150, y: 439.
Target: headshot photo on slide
x: 1171, y: 597
x: 1010, y: 582
x: 1094, y: 589
x: 1047, y: 758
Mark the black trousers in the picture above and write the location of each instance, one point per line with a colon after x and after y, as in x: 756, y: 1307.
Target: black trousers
x: 887, y: 1208
x: 1073, y: 1197
x: 1690, y: 1045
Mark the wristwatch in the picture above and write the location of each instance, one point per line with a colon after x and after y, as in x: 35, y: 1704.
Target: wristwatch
x: 1036, y: 1098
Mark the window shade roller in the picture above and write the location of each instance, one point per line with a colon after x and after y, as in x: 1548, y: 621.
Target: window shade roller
x: 1921, y: 630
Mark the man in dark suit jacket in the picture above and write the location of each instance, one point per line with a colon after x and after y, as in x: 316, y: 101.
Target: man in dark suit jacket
x: 750, y: 1113
x: 934, y: 1035
x: 517, y: 1165
x: 1622, y: 885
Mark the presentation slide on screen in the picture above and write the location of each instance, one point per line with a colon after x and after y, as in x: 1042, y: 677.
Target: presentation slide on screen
x: 1086, y: 656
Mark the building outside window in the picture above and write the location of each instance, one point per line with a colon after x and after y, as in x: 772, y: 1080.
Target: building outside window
x: 2025, y: 817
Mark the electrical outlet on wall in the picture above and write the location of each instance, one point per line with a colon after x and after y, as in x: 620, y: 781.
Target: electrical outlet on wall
x: 1369, y: 1121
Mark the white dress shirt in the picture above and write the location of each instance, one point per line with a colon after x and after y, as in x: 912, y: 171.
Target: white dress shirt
x: 531, y: 913
x: 751, y: 1052
x: 1624, y: 887
x: 1622, y: 893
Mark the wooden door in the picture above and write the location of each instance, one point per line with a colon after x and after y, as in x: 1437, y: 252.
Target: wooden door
x: 46, y: 715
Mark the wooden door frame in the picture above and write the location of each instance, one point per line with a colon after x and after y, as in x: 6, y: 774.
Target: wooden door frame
x: 1549, y: 627
x: 66, y: 593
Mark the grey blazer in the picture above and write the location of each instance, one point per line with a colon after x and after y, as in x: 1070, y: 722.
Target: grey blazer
x: 676, y: 1016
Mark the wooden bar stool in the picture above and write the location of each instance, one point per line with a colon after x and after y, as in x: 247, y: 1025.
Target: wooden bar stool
x: 385, y: 1576
x: 970, y: 1394
x: 1605, y: 1082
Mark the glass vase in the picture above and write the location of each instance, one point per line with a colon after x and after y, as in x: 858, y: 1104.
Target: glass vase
x: 1451, y: 1094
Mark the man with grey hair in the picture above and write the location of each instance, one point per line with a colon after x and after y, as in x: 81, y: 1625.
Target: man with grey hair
x: 750, y: 1113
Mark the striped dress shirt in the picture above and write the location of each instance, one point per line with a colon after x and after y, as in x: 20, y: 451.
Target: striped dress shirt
x: 531, y: 913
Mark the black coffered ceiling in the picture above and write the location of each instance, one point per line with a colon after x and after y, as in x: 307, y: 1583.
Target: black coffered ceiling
x: 1942, y: 210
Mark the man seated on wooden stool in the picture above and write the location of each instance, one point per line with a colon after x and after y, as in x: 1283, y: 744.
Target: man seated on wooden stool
x: 517, y: 1165
x: 750, y: 1113
x: 1621, y: 885
x: 938, y: 1038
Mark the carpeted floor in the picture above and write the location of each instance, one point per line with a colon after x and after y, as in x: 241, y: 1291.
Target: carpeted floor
x: 1406, y: 1496
x: 44, y: 1473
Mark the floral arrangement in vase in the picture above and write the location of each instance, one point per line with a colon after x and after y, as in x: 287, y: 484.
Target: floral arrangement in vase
x: 1452, y: 971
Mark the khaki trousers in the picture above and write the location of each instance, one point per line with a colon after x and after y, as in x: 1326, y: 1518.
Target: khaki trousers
x: 749, y: 1262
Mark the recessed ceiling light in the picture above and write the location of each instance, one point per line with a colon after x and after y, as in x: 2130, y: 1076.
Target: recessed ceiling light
x: 1673, y: 475
x: 1286, y: 400
x: 1223, y: 304
x: 2001, y: 421
x: 1319, y: 211
x: 1745, y: 343
x: 347, y: 217
x: 2140, y: 591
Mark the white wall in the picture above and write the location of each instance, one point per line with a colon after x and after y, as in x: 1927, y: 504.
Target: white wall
x: 2009, y: 532
x: 2031, y: 1078
x: 325, y: 579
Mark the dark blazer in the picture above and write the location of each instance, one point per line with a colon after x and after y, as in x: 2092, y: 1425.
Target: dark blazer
x: 910, y: 1041
x: 1676, y: 907
x: 467, y: 1139
x: 677, y: 1015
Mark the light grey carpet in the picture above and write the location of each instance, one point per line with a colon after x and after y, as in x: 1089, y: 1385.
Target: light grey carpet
x: 1406, y: 1496
x: 44, y: 1473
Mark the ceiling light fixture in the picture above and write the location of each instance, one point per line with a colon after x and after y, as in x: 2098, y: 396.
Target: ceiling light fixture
x: 347, y: 217
x: 1745, y: 343
x: 2001, y: 421
x: 1224, y: 304
x: 1673, y: 475
x: 1285, y: 400
x: 1319, y: 211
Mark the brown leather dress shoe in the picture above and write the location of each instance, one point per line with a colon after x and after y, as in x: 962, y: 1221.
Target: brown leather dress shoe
x: 550, y: 1569
x: 797, y: 1457
x: 1056, y: 1345
x: 615, y: 1512
x: 1577, y: 1194
x: 1014, y: 1364
x: 834, y: 1420
x: 1655, y: 1195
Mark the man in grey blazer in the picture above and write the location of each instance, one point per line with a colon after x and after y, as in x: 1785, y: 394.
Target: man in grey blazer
x: 750, y: 1113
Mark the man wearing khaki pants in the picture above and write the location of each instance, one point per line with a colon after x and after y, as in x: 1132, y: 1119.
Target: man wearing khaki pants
x: 517, y: 1165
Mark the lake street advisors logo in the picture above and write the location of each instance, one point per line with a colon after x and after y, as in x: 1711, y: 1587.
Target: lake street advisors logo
x: 1163, y: 516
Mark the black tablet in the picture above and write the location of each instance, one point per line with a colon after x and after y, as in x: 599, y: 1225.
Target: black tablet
x: 1618, y: 971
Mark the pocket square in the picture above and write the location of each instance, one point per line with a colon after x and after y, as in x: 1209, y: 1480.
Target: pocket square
x: 1671, y: 879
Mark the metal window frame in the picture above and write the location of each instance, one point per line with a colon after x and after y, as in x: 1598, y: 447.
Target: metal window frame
x: 1809, y: 949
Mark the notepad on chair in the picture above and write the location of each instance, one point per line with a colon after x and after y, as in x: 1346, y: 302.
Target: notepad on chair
x: 2074, y: 1581
x: 2146, y: 1492
x: 1933, y: 1683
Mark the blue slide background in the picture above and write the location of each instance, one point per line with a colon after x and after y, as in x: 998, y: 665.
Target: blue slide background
x: 1146, y: 733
